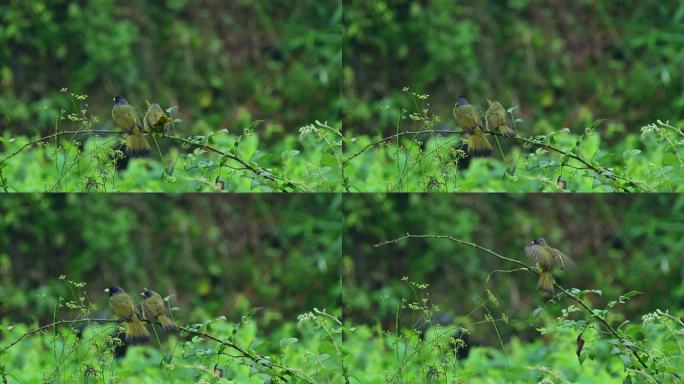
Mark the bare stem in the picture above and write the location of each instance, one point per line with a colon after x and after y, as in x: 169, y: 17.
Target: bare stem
x: 256, y: 170
x: 601, y: 171
x: 575, y: 298
x: 253, y: 356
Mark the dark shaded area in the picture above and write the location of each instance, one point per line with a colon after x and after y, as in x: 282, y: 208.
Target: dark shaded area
x: 620, y: 243
x: 218, y: 255
x: 565, y: 63
x: 224, y: 63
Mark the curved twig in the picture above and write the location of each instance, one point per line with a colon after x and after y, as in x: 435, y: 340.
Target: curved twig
x: 579, y: 301
x: 601, y: 171
x: 253, y: 356
x: 255, y: 170
x: 54, y: 324
x: 258, y: 171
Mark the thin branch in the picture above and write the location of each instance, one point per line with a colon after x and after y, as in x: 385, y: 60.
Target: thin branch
x: 255, y: 170
x: 579, y: 301
x: 54, y: 324
x: 396, y: 135
x: 258, y: 171
x: 253, y: 356
x: 597, y: 169
x: 48, y: 137
x: 462, y: 242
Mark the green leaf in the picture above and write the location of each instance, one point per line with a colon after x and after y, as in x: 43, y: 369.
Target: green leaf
x: 535, y: 314
x: 289, y: 154
x: 287, y: 341
x: 630, y: 153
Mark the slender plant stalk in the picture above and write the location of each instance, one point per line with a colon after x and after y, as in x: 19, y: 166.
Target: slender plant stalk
x: 634, y: 350
x: 253, y: 356
x: 601, y: 171
x: 258, y: 171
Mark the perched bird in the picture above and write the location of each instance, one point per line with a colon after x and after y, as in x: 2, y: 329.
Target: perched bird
x: 155, y: 120
x: 127, y: 120
x: 153, y: 306
x: 546, y: 259
x: 496, y: 119
x: 122, y: 305
x: 467, y: 118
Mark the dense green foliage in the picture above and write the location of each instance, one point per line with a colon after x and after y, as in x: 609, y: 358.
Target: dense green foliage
x: 227, y: 263
x: 343, y: 96
x: 218, y: 255
x: 620, y: 245
x: 263, y: 273
x: 266, y: 86
x: 558, y: 64
x: 262, y: 68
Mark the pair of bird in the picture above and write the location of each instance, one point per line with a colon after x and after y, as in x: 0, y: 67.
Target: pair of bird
x: 126, y: 118
x: 468, y: 119
x: 546, y: 259
x: 153, y: 309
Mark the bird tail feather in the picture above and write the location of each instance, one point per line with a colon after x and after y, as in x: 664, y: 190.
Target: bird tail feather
x: 136, y: 333
x: 545, y: 284
x: 137, y: 145
x: 167, y: 324
x: 478, y: 145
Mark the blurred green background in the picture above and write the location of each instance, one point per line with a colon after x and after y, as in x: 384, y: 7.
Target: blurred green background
x: 564, y: 63
x: 620, y: 243
x: 223, y: 63
x: 219, y: 255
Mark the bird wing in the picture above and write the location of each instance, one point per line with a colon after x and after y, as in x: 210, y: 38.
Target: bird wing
x: 155, y: 305
x: 125, y: 117
x: 563, y: 260
x: 492, y: 117
x: 532, y: 251
x: 122, y: 306
x: 541, y: 255
x: 467, y: 117
x: 509, y: 121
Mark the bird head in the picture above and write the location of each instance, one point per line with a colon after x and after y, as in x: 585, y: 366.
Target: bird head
x: 147, y: 293
x: 118, y: 100
x: 113, y: 290
x: 539, y: 241
x: 461, y: 101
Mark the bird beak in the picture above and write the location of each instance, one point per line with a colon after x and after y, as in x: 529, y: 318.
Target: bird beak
x: 106, y: 290
x: 142, y: 293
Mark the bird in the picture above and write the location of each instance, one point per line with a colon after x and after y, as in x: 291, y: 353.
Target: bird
x: 496, y: 119
x: 155, y: 120
x: 127, y: 120
x: 153, y: 307
x: 122, y: 305
x: 547, y: 259
x: 467, y: 118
